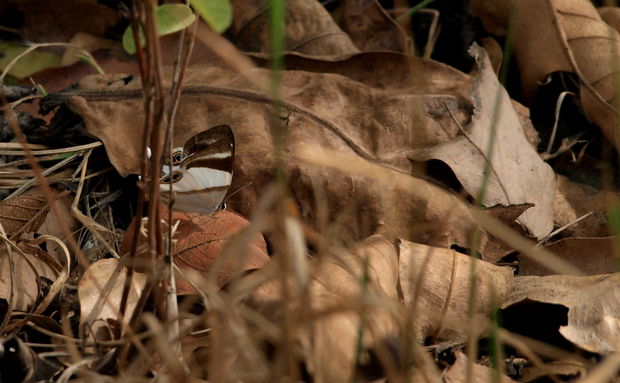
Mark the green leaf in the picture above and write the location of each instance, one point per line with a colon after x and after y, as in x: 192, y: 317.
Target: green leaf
x: 217, y: 13
x: 27, y: 65
x: 169, y: 18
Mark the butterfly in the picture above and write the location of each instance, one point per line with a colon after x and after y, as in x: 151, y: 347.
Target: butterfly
x: 200, y: 172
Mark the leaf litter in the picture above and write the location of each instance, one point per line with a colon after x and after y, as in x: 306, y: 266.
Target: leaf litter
x: 368, y: 258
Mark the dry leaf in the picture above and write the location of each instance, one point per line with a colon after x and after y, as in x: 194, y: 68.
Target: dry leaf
x: 442, y: 303
x: 309, y: 29
x: 21, y: 281
x: 494, y: 51
x: 493, y: 14
x: 51, y: 226
x: 559, y: 35
x: 442, y: 219
x: 370, y: 27
x: 100, y: 292
x: 390, y: 70
x: 611, y: 16
x: 592, y: 302
x: 60, y: 20
x: 517, y: 175
x: 590, y: 255
x: 377, y: 126
x: 198, y: 240
x: 457, y: 373
x: 23, y: 214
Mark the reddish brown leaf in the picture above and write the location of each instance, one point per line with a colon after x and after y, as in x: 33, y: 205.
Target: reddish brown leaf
x: 198, y: 243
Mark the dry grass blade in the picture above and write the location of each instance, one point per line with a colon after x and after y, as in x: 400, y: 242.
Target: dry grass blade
x: 95, y: 228
x: 24, y: 186
x: 12, y: 149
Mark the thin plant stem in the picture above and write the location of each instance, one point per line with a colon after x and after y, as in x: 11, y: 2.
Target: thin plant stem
x: 413, y: 10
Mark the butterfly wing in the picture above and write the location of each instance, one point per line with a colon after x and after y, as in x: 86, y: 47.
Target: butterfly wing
x: 203, y: 177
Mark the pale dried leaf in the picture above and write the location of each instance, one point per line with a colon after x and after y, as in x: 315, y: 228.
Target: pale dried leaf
x: 593, y: 304
x: 100, y: 291
x: 28, y: 268
x: 339, y: 283
x: 517, y: 175
x: 442, y: 302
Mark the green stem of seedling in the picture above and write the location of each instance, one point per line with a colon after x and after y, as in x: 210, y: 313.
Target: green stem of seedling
x: 91, y: 61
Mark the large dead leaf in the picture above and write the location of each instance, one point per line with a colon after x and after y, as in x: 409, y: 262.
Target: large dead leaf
x: 590, y: 255
x: 377, y: 126
x: 592, y: 302
x: 442, y: 302
x: 516, y: 173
